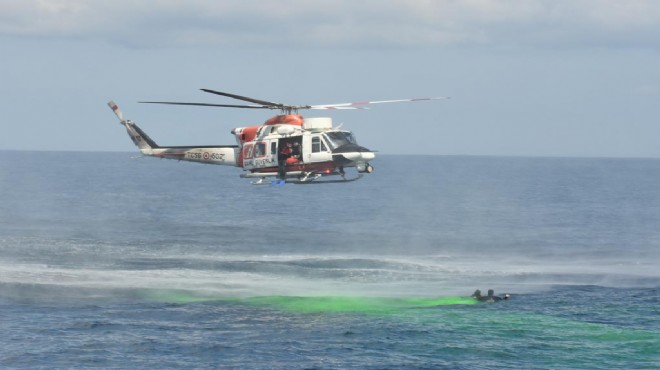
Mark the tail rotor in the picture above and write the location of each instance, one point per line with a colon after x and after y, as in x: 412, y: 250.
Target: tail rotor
x: 139, y: 137
x: 115, y: 108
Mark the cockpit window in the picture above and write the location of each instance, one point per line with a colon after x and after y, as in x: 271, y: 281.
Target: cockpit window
x: 318, y: 145
x: 339, y: 138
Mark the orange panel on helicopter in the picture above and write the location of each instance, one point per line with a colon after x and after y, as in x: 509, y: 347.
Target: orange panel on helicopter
x: 249, y: 133
x: 286, y: 119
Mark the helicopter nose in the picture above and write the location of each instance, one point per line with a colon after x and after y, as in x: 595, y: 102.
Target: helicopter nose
x: 353, y: 153
x: 359, y: 156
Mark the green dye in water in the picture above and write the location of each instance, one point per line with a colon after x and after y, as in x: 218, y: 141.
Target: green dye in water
x: 316, y: 304
x: 354, y: 304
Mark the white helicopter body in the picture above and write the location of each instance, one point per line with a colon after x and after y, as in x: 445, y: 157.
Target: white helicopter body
x: 288, y: 146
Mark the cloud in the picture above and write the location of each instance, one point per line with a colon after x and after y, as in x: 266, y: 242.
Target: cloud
x: 330, y: 23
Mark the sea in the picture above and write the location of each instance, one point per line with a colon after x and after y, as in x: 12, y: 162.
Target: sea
x: 112, y: 261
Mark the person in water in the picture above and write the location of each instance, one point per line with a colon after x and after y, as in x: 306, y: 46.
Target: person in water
x: 491, y: 297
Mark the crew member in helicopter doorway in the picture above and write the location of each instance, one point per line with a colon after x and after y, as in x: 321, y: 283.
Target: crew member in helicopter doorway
x: 284, y: 154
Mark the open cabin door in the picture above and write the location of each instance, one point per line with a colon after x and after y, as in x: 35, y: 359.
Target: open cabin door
x: 297, y: 144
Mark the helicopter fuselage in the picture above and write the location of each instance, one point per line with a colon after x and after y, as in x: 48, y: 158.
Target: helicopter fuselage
x: 287, y: 146
x: 317, y: 149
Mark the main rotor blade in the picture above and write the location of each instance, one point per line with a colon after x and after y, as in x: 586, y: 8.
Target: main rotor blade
x: 210, y: 105
x: 244, y: 98
x: 264, y: 104
x: 361, y: 105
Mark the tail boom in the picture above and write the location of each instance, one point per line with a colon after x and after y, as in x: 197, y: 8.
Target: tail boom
x: 222, y: 154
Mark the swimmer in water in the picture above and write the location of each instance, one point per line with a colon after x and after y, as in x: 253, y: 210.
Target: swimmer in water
x: 491, y: 297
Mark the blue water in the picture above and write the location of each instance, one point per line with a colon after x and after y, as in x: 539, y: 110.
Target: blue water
x: 112, y: 262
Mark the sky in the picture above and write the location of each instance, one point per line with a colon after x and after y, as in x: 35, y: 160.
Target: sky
x: 568, y: 78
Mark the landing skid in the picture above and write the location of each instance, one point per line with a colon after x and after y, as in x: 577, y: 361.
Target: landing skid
x: 315, y: 180
x: 308, y: 178
x: 262, y: 181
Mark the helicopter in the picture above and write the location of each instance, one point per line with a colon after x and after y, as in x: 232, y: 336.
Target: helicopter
x: 288, y: 146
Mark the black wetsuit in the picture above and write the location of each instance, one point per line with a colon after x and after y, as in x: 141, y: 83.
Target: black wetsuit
x: 491, y: 297
x: 284, y: 154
